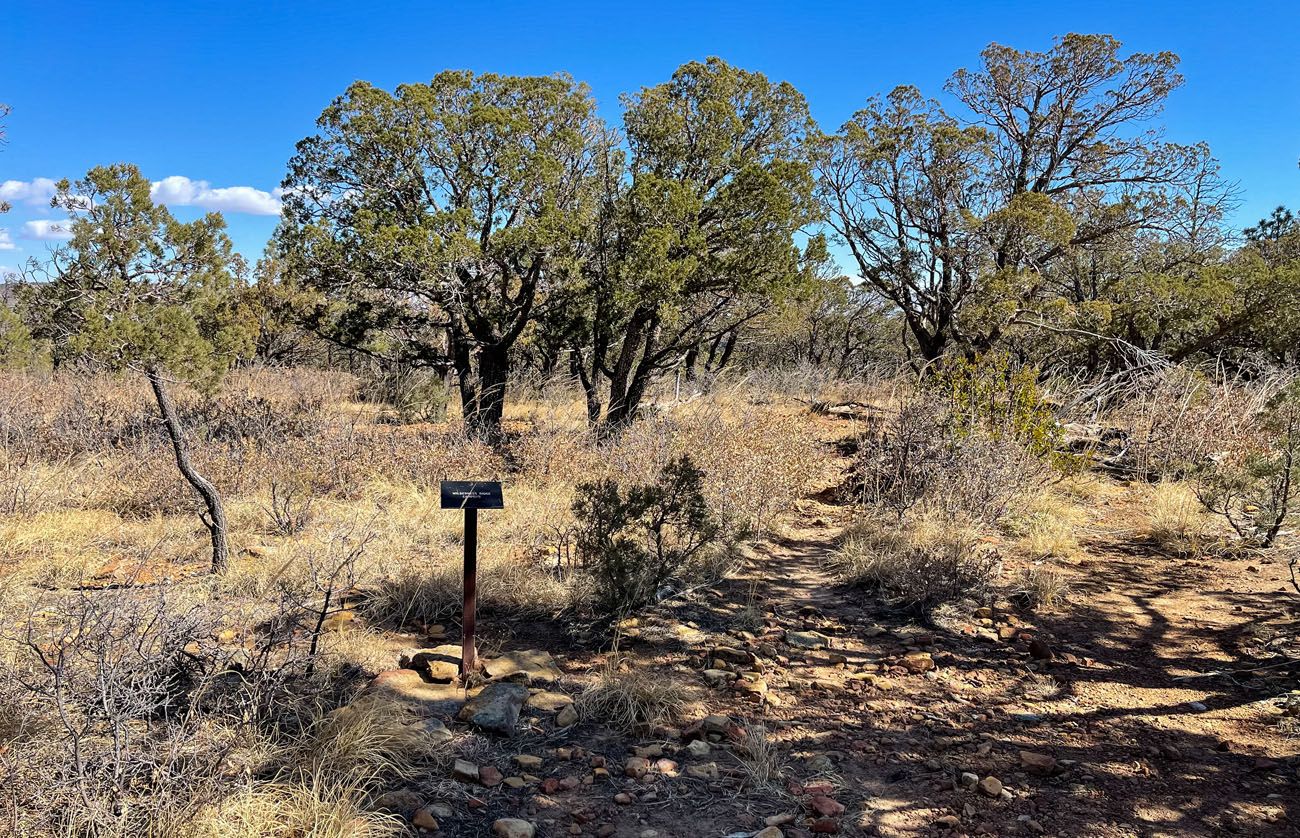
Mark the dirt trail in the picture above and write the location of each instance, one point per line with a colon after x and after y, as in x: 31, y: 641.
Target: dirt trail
x: 874, y: 723
x: 1113, y: 744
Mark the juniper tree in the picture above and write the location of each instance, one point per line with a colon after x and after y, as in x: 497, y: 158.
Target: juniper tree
x: 699, y: 236
x: 135, y: 289
x: 435, y: 222
x: 963, y: 222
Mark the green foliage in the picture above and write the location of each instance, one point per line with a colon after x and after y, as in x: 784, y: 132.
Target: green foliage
x: 701, y: 239
x: 18, y: 349
x: 434, y: 223
x: 991, y: 395
x: 636, y: 539
x: 135, y: 288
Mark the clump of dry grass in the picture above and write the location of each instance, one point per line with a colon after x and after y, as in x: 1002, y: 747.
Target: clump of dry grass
x: 1040, y: 687
x: 294, y: 810
x: 760, y: 757
x: 924, y: 562
x: 1041, y: 585
x: 629, y: 699
x: 365, y: 743
x: 1176, y: 519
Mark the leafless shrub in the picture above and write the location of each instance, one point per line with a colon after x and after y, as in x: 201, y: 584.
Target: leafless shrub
x: 1184, y: 417
x: 331, y: 574
x: 290, y: 508
x: 911, y: 459
x: 124, y: 748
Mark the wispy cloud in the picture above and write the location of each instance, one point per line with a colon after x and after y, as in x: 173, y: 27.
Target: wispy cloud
x: 6, y: 243
x: 47, y: 230
x: 180, y: 191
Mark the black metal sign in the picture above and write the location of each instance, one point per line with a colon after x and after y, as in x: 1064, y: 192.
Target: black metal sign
x: 471, y: 496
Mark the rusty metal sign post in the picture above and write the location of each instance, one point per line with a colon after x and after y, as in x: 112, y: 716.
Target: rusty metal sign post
x: 471, y: 496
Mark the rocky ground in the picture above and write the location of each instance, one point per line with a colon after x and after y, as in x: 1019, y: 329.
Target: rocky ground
x: 1141, y: 707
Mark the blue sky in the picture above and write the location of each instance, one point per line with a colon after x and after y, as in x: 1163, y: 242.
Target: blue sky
x: 213, y: 95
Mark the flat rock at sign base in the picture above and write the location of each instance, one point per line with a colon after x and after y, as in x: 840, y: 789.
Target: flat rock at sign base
x: 513, y: 828
x: 807, y: 639
x: 531, y: 665
x: 496, y: 708
x: 408, y: 688
x: 441, y: 663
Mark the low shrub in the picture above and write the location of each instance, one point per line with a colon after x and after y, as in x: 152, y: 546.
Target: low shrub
x: 1255, y: 486
x: 636, y: 539
x: 916, y: 459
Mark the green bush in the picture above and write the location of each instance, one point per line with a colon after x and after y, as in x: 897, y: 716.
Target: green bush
x: 997, y: 398
x: 636, y: 539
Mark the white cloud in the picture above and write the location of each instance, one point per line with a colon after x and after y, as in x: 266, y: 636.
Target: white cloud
x: 6, y: 243
x: 36, y: 192
x: 177, y: 190
x: 180, y: 191
x: 46, y: 230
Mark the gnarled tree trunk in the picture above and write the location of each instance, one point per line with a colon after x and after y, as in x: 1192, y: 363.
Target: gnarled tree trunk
x: 215, y: 516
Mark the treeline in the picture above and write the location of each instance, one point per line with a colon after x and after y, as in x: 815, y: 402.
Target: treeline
x: 477, y: 224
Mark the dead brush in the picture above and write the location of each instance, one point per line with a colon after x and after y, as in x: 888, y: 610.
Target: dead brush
x: 927, y: 562
x: 629, y: 699
x: 289, y: 509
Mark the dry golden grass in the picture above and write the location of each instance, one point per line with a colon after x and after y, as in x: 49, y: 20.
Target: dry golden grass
x: 98, y: 504
x: 1047, y: 526
x: 760, y: 757
x: 296, y: 810
x: 1175, y: 518
x: 630, y: 699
